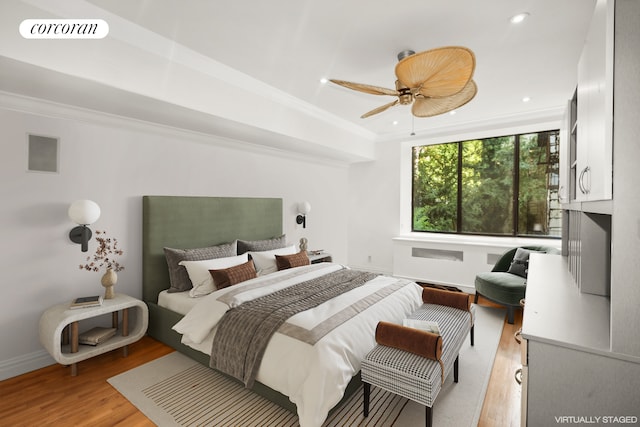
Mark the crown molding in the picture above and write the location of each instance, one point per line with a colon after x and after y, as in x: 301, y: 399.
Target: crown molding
x: 542, y: 116
x: 46, y: 108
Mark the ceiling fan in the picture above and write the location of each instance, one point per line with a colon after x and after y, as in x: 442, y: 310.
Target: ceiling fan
x: 435, y: 81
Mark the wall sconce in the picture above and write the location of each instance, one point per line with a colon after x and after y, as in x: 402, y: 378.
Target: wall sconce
x: 83, y: 213
x: 303, y: 209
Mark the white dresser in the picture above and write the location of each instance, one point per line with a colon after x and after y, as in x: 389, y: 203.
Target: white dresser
x: 569, y: 369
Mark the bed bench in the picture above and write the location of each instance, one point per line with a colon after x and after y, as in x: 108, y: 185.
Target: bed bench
x: 414, y: 363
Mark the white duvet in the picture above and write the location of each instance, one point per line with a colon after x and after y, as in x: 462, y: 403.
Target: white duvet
x: 313, y: 376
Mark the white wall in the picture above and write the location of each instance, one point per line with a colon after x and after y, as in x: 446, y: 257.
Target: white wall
x: 374, y: 209
x: 625, y: 238
x: 357, y: 210
x: 114, y: 162
x: 380, y: 211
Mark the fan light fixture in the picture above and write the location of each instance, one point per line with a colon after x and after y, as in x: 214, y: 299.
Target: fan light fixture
x: 434, y: 81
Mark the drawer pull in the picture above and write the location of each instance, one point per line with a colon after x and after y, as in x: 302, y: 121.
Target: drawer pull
x: 517, y: 336
x: 518, y: 376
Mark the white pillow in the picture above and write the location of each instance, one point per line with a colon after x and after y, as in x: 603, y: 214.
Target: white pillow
x: 265, y: 261
x: 201, y: 279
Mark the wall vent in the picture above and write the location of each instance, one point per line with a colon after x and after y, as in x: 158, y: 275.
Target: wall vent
x: 440, y: 254
x: 42, y: 154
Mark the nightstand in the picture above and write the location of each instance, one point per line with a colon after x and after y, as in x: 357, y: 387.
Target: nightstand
x: 320, y: 257
x: 59, y: 329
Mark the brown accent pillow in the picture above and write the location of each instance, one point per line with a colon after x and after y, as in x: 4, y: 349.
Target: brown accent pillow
x: 458, y: 300
x: 422, y: 343
x: 230, y: 276
x: 289, y: 261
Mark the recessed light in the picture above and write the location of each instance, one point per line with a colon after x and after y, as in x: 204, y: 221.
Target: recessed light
x: 324, y: 80
x: 526, y: 99
x: 395, y: 123
x: 516, y: 19
x: 452, y: 112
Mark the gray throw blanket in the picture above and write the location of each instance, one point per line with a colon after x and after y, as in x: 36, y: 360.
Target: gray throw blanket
x: 243, y: 332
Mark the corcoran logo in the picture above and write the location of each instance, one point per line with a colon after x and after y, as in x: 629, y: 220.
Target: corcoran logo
x: 64, y: 29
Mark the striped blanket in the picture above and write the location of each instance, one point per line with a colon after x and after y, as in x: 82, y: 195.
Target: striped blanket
x: 244, y: 331
x: 313, y: 355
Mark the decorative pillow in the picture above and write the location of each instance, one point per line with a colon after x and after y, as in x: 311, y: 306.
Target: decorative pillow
x: 178, y: 277
x: 265, y: 261
x: 262, y: 245
x: 289, y: 261
x: 232, y: 275
x: 520, y: 264
x: 417, y: 341
x: 198, y: 271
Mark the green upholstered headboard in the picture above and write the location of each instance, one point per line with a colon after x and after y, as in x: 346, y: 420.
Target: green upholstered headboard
x: 196, y: 222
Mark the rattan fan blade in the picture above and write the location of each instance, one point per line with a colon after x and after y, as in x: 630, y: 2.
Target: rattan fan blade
x: 428, y: 107
x: 379, y: 109
x: 373, y: 90
x: 438, y: 72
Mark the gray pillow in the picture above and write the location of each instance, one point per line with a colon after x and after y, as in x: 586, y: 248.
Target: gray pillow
x: 520, y: 264
x: 178, y: 277
x: 262, y: 245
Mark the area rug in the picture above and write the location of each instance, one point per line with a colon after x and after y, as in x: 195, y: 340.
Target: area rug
x: 174, y: 390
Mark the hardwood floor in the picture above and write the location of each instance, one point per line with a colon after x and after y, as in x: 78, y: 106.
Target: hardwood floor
x: 502, y: 401
x: 51, y: 397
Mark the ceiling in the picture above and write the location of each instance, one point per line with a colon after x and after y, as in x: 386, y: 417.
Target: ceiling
x: 285, y: 47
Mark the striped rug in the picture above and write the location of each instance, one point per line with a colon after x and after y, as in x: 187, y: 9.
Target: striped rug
x: 174, y: 390
x: 187, y: 395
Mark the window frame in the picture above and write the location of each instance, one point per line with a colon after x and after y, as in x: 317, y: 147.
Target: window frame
x: 516, y: 185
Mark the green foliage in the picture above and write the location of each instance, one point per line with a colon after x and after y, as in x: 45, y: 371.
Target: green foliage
x: 435, y: 187
x: 533, y: 202
x: 487, y: 190
x: 487, y: 197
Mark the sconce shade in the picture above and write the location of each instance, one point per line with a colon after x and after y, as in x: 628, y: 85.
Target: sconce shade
x: 84, y: 212
x: 304, y: 208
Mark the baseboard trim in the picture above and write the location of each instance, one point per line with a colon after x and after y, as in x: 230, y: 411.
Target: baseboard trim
x: 464, y: 288
x: 25, y: 363
x: 371, y: 269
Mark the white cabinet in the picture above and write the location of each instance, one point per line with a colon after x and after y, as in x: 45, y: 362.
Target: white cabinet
x: 567, y: 188
x: 570, y: 368
x: 593, y: 157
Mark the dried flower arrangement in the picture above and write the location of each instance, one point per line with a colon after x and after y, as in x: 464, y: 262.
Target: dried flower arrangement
x: 105, y: 254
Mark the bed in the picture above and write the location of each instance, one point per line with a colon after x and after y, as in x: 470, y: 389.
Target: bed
x: 194, y: 222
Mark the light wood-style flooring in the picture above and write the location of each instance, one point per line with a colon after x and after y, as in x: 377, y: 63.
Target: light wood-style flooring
x: 51, y: 397
x: 502, y: 401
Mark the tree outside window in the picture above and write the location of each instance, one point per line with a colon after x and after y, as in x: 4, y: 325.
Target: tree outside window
x: 505, y: 186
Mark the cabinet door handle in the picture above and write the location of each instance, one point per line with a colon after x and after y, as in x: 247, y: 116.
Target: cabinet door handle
x: 583, y: 189
x: 518, y: 376
x: 580, y: 181
x: 587, y: 175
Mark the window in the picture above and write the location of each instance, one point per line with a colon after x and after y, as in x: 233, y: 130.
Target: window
x: 505, y: 186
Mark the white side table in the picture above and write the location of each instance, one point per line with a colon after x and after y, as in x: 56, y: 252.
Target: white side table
x: 64, y: 347
x: 320, y: 257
